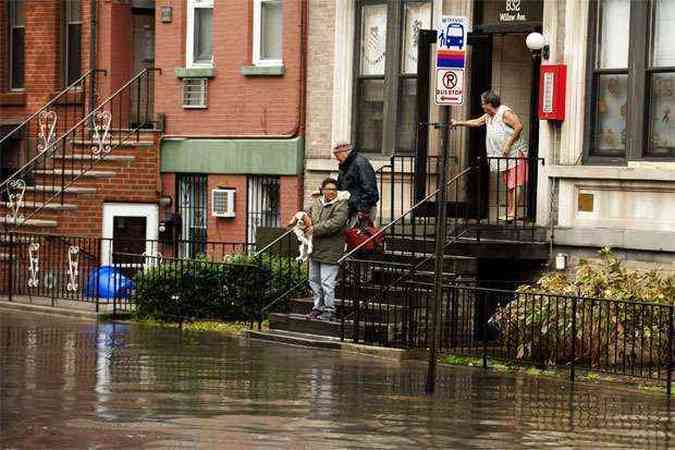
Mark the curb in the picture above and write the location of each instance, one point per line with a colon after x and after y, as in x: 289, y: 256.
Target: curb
x: 392, y: 354
x: 52, y: 310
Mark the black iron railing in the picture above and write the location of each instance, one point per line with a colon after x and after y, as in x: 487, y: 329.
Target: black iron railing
x: 44, y: 179
x: 53, y: 120
x: 54, y: 267
x: 625, y: 338
x: 397, y: 184
x: 184, y: 290
x: 369, y: 281
x: 290, y: 273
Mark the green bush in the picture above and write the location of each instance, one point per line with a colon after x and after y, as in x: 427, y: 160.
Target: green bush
x: 197, y: 289
x: 537, y: 324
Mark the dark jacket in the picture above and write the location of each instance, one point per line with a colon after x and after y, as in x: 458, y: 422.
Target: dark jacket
x: 328, y: 223
x: 358, y: 177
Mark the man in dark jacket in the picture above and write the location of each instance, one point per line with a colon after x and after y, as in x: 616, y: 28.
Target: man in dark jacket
x: 329, y: 215
x: 358, y: 177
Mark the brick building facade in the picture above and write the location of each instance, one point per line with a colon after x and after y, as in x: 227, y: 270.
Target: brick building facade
x: 225, y: 109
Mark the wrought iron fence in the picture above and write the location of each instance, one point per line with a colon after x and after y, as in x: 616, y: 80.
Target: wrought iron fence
x: 55, y: 267
x: 44, y: 179
x: 184, y: 290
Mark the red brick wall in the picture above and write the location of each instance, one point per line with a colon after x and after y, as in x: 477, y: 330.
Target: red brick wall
x: 237, y: 105
x: 226, y: 229
x: 115, y: 46
x: 43, y: 71
x: 135, y: 182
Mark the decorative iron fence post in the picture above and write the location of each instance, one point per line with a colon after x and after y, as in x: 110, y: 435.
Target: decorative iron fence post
x: 11, y: 265
x: 671, y: 338
x: 483, y: 319
x: 574, y: 336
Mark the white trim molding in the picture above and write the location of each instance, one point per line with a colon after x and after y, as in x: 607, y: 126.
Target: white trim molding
x: 257, y: 58
x: 190, y: 33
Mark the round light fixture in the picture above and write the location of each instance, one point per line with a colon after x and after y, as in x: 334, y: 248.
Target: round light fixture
x: 535, y: 41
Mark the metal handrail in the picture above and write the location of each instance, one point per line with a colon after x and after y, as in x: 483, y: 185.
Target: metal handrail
x: 271, y: 244
x: 415, y: 206
x: 52, y: 101
x: 81, y: 122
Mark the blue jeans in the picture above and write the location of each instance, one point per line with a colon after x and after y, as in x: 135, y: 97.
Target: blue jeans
x: 322, y: 278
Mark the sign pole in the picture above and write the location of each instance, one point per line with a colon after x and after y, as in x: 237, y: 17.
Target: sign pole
x: 439, y: 250
x: 451, y: 35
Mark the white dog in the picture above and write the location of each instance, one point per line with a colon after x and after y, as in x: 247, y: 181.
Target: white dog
x: 300, y: 222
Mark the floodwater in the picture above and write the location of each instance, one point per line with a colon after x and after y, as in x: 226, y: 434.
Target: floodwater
x: 70, y: 384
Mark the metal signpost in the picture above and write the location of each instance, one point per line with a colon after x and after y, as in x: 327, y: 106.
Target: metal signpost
x: 449, y: 90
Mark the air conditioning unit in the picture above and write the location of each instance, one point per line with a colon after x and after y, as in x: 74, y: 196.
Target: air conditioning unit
x: 222, y: 202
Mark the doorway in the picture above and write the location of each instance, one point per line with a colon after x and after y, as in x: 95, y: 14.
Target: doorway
x: 143, y: 31
x: 129, y: 230
x: 501, y: 62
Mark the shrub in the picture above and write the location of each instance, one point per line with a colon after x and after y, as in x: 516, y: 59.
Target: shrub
x: 537, y: 324
x: 180, y: 290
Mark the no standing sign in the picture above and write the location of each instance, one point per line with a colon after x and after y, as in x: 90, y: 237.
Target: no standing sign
x: 450, y: 60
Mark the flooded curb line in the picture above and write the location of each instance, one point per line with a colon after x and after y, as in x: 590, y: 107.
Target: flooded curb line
x: 392, y: 354
x: 52, y: 310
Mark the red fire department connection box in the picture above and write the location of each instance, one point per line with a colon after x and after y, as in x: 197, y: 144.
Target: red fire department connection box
x: 552, y: 83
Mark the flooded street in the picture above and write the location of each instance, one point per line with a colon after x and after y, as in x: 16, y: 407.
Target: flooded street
x: 70, y: 384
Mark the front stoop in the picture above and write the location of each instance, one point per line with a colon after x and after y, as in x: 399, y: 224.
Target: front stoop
x: 335, y: 344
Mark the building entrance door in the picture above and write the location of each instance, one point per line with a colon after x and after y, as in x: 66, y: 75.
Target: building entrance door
x: 501, y: 62
x: 144, y: 58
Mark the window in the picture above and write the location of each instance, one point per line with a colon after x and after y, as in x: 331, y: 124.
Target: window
x: 386, y: 78
x: 191, y: 206
x: 632, y: 80
x: 17, y: 34
x: 263, y: 200
x: 194, y: 92
x: 267, y: 33
x: 199, y: 49
x: 72, y: 42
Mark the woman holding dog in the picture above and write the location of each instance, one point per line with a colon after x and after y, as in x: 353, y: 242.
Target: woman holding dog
x: 329, y: 214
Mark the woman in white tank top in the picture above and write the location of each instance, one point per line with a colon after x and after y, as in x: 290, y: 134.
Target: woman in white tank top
x: 505, y: 145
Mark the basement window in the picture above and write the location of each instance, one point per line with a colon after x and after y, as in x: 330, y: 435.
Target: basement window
x: 194, y: 93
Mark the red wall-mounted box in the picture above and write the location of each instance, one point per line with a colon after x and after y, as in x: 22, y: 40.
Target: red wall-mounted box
x: 552, y: 84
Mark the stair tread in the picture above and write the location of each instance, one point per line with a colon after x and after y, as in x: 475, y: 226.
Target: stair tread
x: 76, y: 172
x: 88, y: 157
x: 68, y: 190
x: 57, y: 206
x: 30, y: 222
x: 88, y: 143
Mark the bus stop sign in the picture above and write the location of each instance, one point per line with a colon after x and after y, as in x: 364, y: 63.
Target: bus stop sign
x: 450, y: 60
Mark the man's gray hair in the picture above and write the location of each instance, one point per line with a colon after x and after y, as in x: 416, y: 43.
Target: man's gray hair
x: 490, y: 98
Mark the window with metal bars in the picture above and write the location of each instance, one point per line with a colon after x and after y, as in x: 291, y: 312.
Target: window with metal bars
x: 263, y: 204
x: 192, y: 208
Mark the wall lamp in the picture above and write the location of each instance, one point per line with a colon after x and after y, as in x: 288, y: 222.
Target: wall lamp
x: 538, y: 44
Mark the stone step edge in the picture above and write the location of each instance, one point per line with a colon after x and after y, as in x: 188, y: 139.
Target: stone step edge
x: 87, y: 157
x: 52, y: 206
x: 307, y: 340
x: 78, y: 173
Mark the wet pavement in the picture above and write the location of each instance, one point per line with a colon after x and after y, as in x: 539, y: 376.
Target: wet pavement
x: 71, y: 384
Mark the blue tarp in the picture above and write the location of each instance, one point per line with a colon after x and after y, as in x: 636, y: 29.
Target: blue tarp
x: 111, y: 284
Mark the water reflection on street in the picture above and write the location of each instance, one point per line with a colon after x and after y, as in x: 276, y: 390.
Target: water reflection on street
x: 71, y: 384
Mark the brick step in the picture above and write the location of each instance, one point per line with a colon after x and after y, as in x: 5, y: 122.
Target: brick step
x: 515, y: 232
x: 88, y: 157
